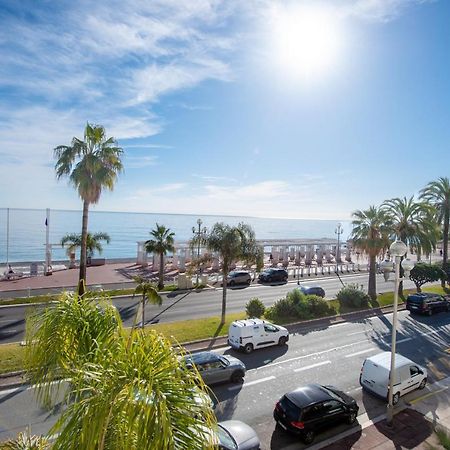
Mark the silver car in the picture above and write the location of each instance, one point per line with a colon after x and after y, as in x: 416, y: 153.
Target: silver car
x: 216, y: 368
x: 239, y: 277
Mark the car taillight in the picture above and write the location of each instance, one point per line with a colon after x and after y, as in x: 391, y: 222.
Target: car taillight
x: 299, y: 425
x: 278, y: 406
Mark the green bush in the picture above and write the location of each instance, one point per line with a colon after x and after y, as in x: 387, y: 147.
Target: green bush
x: 297, y: 306
x: 255, y: 308
x: 351, y: 296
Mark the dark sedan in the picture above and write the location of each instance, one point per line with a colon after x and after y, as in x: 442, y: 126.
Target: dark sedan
x: 272, y: 275
x: 313, y: 290
x: 312, y: 408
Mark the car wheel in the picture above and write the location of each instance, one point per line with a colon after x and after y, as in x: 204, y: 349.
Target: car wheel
x: 232, y: 283
x: 308, y: 437
x: 396, y: 398
x: 423, y: 383
x: 285, y: 279
x: 351, y: 418
x: 282, y: 341
x: 430, y: 312
x: 248, y: 348
x: 237, y: 376
x: 249, y: 282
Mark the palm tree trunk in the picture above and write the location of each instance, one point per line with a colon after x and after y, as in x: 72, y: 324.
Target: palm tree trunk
x: 143, y: 311
x: 161, y: 272
x: 445, y: 244
x: 402, y: 274
x: 84, y: 229
x: 224, y: 297
x: 372, y: 291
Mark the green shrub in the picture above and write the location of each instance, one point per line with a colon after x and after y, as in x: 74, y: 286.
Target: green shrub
x: 351, y: 296
x: 255, y: 308
x: 319, y: 307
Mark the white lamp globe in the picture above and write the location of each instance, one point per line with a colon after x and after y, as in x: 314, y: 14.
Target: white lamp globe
x: 398, y: 248
x: 407, y: 264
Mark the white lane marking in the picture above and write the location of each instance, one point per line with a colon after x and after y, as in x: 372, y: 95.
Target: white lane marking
x: 367, y: 350
x: 339, y: 325
x: 7, y: 331
x: 309, y: 355
x: 404, y: 340
x: 312, y: 366
x: 7, y: 321
x: 356, y: 332
x: 250, y: 383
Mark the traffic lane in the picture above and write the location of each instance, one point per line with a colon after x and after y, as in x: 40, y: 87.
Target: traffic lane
x: 253, y: 401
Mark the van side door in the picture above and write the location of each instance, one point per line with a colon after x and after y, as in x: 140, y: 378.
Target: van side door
x: 414, y: 378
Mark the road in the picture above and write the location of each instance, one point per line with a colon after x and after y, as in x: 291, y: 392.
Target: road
x: 332, y: 355
x: 194, y: 305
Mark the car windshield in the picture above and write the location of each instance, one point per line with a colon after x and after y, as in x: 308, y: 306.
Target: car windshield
x: 224, y: 360
x: 332, y: 393
x: 226, y: 440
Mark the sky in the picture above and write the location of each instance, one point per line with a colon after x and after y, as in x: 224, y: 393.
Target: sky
x: 293, y: 109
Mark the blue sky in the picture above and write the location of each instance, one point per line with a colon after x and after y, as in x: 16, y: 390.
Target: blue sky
x: 307, y: 109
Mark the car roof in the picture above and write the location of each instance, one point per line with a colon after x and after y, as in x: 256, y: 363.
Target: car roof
x: 308, y: 395
x: 202, y: 357
x: 248, y: 322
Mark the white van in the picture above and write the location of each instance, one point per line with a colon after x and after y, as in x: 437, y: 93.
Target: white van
x: 247, y: 335
x: 375, y: 375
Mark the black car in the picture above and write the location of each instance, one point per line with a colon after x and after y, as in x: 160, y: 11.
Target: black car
x: 313, y: 290
x: 271, y: 275
x: 312, y: 408
x: 427, y: 303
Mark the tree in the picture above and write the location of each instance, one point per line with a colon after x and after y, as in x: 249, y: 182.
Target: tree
x: 423, y: 273
x: 233, y: 244
x: 438, y: 194
x: 370, y: 235
x: 161, y: 243
x: 148, y: 292
x: 127, y: 390
x: 414, y: 224
x: 91, y: 165
x: 92, y: 242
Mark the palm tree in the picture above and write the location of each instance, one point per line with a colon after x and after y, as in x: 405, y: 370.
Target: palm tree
x: 438, y: 194
x: 148, y: 292
x: 413, y: 223
x: 370, y: 234
x: 127, y: 390
x: 92, y: 242
x: 233, y: 244
x: 161, y: 243
x: 91, y: 164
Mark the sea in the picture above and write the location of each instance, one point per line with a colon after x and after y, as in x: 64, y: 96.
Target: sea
x: 24, y: 239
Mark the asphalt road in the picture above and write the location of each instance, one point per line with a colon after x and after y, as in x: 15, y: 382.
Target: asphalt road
x: 332, y: 355
x: 195, y: 305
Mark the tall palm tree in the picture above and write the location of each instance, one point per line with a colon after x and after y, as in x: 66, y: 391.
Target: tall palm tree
x: 148, y: 292
x: 161, y: 243
x: 370, y: 235
x: 91, y: 164
x: 438, y: 194
x: 233, y: 244
x: 413, y: 223
x: 92, y: 242
x: 127, y: 390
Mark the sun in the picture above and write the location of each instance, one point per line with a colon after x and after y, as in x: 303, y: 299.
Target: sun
x: 306, y: 40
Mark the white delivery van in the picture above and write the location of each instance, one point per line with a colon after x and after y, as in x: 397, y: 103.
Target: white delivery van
x: 247, y: 335
x: 375, y: 375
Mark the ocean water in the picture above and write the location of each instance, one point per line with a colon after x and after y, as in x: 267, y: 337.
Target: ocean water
x: 27, y: 230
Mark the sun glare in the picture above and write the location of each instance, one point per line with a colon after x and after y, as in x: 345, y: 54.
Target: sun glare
x: 306, y: 41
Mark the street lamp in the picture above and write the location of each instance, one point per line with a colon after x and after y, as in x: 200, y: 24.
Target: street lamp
x: 198, y: 233
x: 397, y: 250
x: 339, y: 230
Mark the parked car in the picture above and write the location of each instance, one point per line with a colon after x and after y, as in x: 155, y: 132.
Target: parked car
x: 239, y: 277
x: 313, y: 290
x: 375, y: 372
x: 216, y: 368
x: 232, y: 435
x: 427, y: 303
x: 247, y: 335
x: 312, y: 408
x: 273, y: 274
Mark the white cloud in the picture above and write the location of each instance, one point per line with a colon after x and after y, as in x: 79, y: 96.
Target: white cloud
x: 138, y: 162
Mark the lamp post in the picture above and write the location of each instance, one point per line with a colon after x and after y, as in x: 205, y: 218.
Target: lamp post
x: 397, y: 250
x: 339, y: 230
x: 198, y: 233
